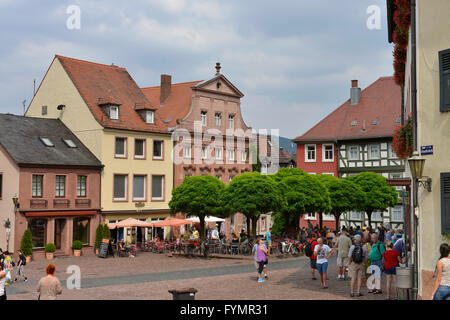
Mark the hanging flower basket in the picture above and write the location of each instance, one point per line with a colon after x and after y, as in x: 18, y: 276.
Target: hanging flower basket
x: 402, y: 19
x: 402, y: 142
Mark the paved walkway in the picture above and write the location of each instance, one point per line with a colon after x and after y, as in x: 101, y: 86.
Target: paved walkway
x: 142, y: 278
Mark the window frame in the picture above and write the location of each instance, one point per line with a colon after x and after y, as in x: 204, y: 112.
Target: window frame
x: 218, y: 119
x: 163, y: 188
x: 162, y: 150
x: 152, y: 112
x: 307, y: 153
x: 64, y: 186
x: 187, y: 147
x: 125, y: 148
x: 349, y: 152
x: 231, y: 155
x: 216, y: 154
x: 204, y: 117
x: 231, y: 119
x: 85, y: 186
x: 110, y: 112
x: 324, y: 152
x: 369, y: 151
x: 126, y: 187
x: 144, y: 199
x: 144, y: 149
x: 41, y: 185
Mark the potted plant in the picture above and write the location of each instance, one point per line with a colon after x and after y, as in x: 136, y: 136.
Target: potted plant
x: 50, y: 249
x: 98, y: 238
x: 26, y: 245
x: 77, y: 245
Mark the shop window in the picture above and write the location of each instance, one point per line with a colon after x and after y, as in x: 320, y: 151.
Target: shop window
x: 38, y: 228
x: 81, y: 229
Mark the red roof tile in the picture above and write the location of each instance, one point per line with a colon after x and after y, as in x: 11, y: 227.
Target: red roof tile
x: 99, y: 84
x: 177, y: 105
x: 380, y: 101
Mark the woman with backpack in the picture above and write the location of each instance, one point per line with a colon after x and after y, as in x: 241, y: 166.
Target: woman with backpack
x: 357, y: 259
x: 391, y: 259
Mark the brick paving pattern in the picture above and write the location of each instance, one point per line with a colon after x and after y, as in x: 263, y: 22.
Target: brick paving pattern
x: 150, y: 276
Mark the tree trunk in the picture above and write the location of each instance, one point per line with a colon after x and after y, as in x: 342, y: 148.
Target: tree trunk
x: 320, y: 221
x: 254, y: 222
x: 369, y: 218
x: 248, y: 221
x: 202, y: 233
x: 337, y: 215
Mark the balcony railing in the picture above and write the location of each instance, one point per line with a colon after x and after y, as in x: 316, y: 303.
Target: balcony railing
x: 38, y: 204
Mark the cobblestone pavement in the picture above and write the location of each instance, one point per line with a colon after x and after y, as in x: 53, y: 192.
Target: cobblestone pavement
x: 150, y: 276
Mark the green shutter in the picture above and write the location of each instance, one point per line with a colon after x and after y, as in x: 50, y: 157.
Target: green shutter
x: 444, y: 77
x: 445, y: 203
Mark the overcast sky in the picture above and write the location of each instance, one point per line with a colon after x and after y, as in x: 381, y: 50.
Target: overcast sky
x: 292, y: 59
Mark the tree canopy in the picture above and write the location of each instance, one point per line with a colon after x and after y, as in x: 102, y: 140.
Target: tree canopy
x: 345, y: 195
x: 252, y: 194
x: 198, y: 196
x: 378, y: 194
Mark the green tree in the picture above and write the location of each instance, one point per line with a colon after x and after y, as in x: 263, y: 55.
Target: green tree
x: 303, y: 193
x: 198, y: 196
x: 26, y: 245
x: 252, y: 194
x: 106, y: 232
x: 378, y: 194
x: 98, y: 236
x: 345, y: 195
x: 287, y: 172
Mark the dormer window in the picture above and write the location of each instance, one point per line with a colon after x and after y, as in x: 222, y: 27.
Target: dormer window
x: 114, y: 112
x: 150, y: 116
x: 47, y: 142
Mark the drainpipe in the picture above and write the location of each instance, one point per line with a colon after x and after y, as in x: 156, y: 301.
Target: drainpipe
x: 415, y: 142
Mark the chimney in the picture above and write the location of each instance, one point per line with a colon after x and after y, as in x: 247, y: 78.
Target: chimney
x: 166, y: 83
x: 218, y: 68
x: 355, y: 93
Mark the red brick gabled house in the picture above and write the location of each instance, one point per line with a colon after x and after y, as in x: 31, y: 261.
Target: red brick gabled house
x: 356, y: 137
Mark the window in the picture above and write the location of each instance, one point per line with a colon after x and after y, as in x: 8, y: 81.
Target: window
x: 231, y: 177
x: 1, y: 185
x: 218, y: 153
x: 69, y: 143
x: 36, y: 189
x: 81, y: 229
x: 231, y: 155
x: 353, y: 153
x: 392, y: 154
x: 44, y: 110
x: 60, y: 186
x: 81, y: 186
x: 157, y: 149
x: 231, y: 122
x: 38, y: 228
x: 243, y: 156
x: 377, y: 216
x: 219, y: 177
x: 203, y: 152
x: 139, y: 148
x: 157, y: 187
x: 355, y: 215
x: 445, y: 203
x: 327, y: 153
x: 47, y: 142
x: 397, y: 213
x: 114, y: 112
x: 375, y: 122
x: 203, y: 117
x: 150, y: 116
x: 218, y: 118
x: 121, y: 148
x: 120, y: 187
x: 139, y: 183
x: 310, y: 153
x: 374, y: 152
x: 444, y: 77
x: 310, y: 216
x: 187, y: 151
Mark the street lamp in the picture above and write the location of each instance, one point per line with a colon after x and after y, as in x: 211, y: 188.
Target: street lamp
x: 416, y: 165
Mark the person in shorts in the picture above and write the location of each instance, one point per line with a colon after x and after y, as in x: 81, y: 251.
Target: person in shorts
x: 357, y: 270
x: 391, y: 259
x: 322, y: 252
x: 313, y: 257
x: 269, y: 241
x: 21, y: 263
x: 342, y: 246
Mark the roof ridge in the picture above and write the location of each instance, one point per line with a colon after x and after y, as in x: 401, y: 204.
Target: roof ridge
x: 90, y: 62
x: 175, y: 84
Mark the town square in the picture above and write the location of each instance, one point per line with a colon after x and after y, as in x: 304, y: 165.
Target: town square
x: 230, y: 151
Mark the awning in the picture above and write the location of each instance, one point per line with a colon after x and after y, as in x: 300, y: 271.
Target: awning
x: 207, y: 219
x: 170, y: 222
x: 130, y: 223
x: 59, y: 213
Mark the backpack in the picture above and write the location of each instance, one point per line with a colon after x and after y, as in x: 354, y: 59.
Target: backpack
x: 24, y: 260
x: 308, y: 249
x: 357, y: 254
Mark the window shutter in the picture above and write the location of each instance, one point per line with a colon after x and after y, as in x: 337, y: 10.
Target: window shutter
x: 444, y: 77
x: 445, y: 202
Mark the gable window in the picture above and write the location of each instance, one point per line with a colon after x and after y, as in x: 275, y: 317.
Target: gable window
x: 327, y: 153
x: 310, y: 153
x: 374, y: 152
x: 36, y: 185
x: 231, y: 121
x: 187, y: 151
x: 139, y: 148
x: 60, y: 186
x: 120, y: 187
x: 203, y: 117
x: 444, y: 77
x: 114, y: 112
x: 150, y: 116
x: 121, y: 147
x: 157, y: 149
x: 353, y: 153
x: 81, y: 186
x: 157, y: 187
x: 139, y: 183
x: 218, y: 118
